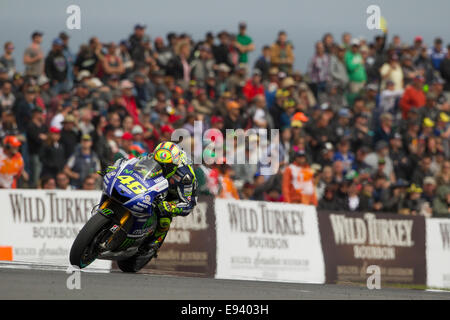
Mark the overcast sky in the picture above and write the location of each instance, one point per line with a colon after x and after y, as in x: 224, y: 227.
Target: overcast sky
x: 304, y: 20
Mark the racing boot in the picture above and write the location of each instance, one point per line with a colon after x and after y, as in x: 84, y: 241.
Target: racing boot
x: 154, y: 242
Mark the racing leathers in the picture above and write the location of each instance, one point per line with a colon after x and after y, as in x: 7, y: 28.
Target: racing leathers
x: 180, y: 199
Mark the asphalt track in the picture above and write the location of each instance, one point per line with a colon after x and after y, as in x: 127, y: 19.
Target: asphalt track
x: 40, y: 282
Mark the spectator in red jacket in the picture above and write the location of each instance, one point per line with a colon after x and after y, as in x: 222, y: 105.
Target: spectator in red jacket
x: 413, y: 96
x: 253, y: 86
x: 130, y: 101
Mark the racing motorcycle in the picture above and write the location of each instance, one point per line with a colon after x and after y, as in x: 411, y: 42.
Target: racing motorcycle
x: 125, y: 216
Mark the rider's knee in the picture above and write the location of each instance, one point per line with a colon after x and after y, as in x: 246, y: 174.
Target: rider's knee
x: 164, y: 223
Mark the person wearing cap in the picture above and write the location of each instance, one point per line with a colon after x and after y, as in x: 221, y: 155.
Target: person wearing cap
x: 337, y: 68
x: 136, y: 42
x: 437, y: 53
x: 233, y: 119
x: 124, y: 54
x: 221, y: 51
x: 381, y: 151
x: 409, y: 68
x: 329, y: 200
x: 391, y: 70
x: 24, y: 106
x: 202, y: 105
x: 125, y: 143
x: 70, y: 58
x: 413, y: 97
x: 70, y: 135
x: 82, y: 163
x: 413, y: 203
x: 52, y: 154
x: 11, y: 163
x: 361, y: 135
x: 129, y: 99
x: 17, y: 82
x: 139, y: 138
x: 427, y: 129
x: 277, y: 111
x: 389, y: 97
x: 298, y: 181
x: 344, y: 154
x: 224, y: 82
x: 166, y: 132
x: 56, y: 66
x: 341, y: 128
x: 437, y: 88
x: 326, y: 155
x: 282, y: 53
x: 358, y: 164
x: 253, y: 86
x: 45, y: 92
x: 36, y: 134
x: 202, y: 65
x: 397, y: 196
x: 400, y: 160
x: 442, y: 128
x: 33, y: 57
x: 355, y: 67
x: 146, y: 58
x: 429, y: 189
x: 7, y: 60
x: 244, y: 43
x: 263, y: 62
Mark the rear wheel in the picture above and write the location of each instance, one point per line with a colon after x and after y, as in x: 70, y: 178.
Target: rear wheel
x: 138, y: 261
x: 135, y: 263
x: 85, y: 247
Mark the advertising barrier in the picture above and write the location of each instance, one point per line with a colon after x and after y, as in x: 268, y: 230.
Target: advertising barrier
x: 353, y: 241
x: 268, y: 241
x: 40, y: 226
x: 438, y: 253
x: 190, y: 245
x: 247, y: 240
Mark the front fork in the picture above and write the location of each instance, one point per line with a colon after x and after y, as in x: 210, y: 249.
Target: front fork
x: 118, y: 223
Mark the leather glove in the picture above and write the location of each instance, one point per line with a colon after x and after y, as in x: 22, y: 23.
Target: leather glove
x: 107, y: 170
x: 167, y: 208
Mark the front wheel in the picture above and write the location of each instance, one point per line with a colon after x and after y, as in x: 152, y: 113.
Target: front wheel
x: 85, y: 247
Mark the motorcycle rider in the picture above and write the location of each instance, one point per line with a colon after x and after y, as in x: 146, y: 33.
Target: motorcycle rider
x: 181, y: 196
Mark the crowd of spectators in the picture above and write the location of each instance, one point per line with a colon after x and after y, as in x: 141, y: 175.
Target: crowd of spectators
x: 366, y: 127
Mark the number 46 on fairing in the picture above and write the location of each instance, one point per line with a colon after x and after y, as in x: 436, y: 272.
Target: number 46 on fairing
x: 132, y: 184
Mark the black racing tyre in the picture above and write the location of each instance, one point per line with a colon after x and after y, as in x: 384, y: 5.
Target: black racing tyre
x: 84, y: 248
x: 134, y: 264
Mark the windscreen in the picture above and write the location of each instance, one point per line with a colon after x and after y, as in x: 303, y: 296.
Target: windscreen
x: 148, y: 168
